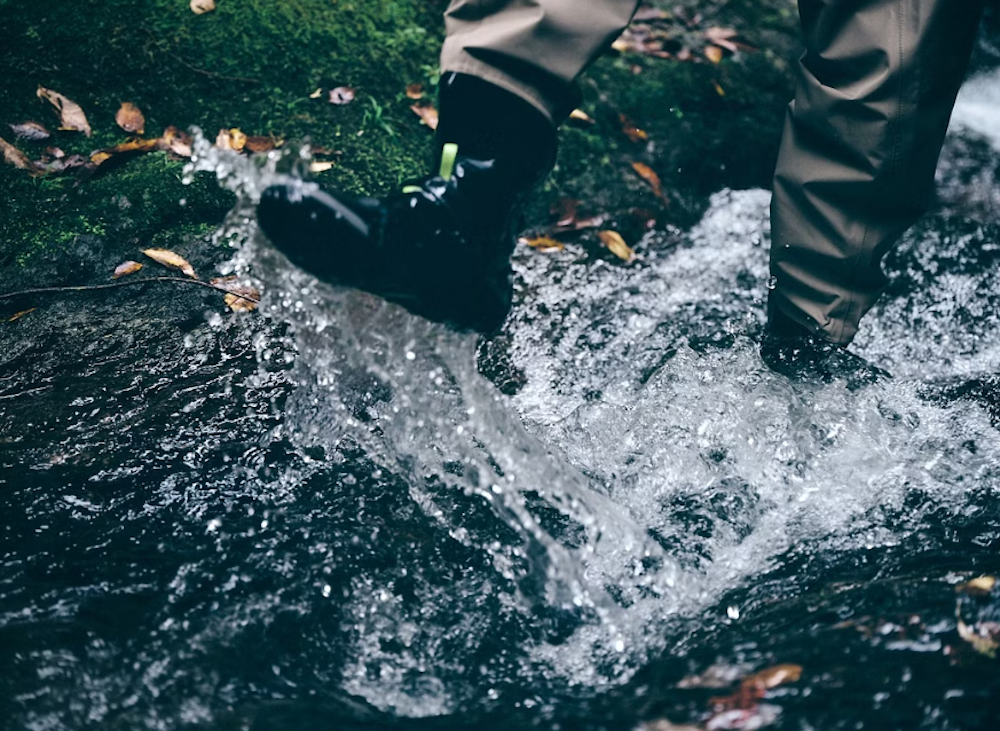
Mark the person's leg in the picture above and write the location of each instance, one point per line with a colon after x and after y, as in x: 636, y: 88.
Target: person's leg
x: 441, y: 247
x: 874, y: 94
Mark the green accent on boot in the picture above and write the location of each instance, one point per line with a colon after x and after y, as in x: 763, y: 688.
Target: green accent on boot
x: 448, y: 154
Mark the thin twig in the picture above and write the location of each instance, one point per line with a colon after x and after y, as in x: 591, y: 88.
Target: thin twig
x: 130, y: 283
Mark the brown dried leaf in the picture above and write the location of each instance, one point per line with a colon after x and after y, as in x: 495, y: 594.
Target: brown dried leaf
x: 55, y: 152
x: 616, y: 244
x: 723, y: 37
x: 231, y: 139
x: 71, y: 114
x: 175, y: 141
x: 18, y: 315
x: 631, y: 131
x: 13, y: 156
x: 99, y: 157
x: 342, y: 95
x: 200, y: 7
x: 172, y: 260
x: 978, y: 587
x: 30, y: 131
x: 649, y: 175
x: 774, y: 676
x: 129, y: 117
x: 126, y: 268
x: 240, y: 297
x: 259, y: 143
x: 542, y: 243
x: 63, y: 164
x: 427, y: 113
x: 415, y: 91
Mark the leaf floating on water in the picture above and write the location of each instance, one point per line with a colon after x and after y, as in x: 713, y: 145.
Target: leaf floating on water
x: 200, y: 7
x: 175, y: 141
x: 616, y: 245
x: 231, y: 139
x: 125, y: 268
x: 649, y: 175
x: 172, y: 260
x: 71, y: 114
x: 427, y: 113
x: 415, y: 91
x: 631, y: 131
x: 342, y: 95
x: 13, y: 156
x: 542, y: 243
x: 978, y: 587
x: 18, y: 315
x: 130, y: 118
x: 30, y: 131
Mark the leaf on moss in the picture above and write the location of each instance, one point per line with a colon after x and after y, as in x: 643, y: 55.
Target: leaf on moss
x: 231, y: 139
x: 581, y: 117
x: 631, y: 131
x: 342, y: 95
x: 200, y: 7
x: 130, y: 118
x: 319, y: 166
x: 713, y: 53
x: 415, y: 91
x: 616, y: 244
x: 259, y: 143
x: 126, y: 268
x: 649, y: 175
x: 71, y: 114
x: 427, y: 113
x: 316, y: 94
x: 132, y: 147
x: 30, y: 131
x: 176, y: 141
x: 13, y: 156
x: 62, y: 164
x: 171, y: 260
x: 542, y: 243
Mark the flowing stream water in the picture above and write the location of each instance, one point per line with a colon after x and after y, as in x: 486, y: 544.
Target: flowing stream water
x: 332, y: 514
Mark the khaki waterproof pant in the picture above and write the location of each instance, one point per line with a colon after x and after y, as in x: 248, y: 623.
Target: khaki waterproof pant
x: 874, y: 93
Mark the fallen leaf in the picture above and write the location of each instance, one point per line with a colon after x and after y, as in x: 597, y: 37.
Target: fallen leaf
x: 665, y: 725
x: 542, y: 243
x: 62, y: 164
x: 240, y: 297
x: 231, y: 139
x: 564, y: 211
x: 718, y: 89
x: 259, y: 143
x: 649, y: 175
x: 55, y: 152
x: 578, y: 115
x: 125, y: 268
x: 130, y: 119
x: 316, y: 94
x: 723, y: 37
x: 99, y: 157
x: 13, y: 156
x: 18, y: 315
x: 202, y: 6
x: 320, y: 167
x: 616, y: 244
x: 631, y: 131
x: 754, y: 687
x: 978, y: 587
x: 342, y: 95
x: 415, y: 91
x: 427, y: 113
x: 713, y: 53
x: 71, y: 114
x: 30, y: 131
x: 171, y: 260
x: 175, y: 141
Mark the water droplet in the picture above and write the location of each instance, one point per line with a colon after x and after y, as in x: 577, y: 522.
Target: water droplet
x: 327, y: 589
x: 733, y: 612
x: 410, y: 355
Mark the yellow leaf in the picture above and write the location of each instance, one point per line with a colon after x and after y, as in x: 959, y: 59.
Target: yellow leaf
x: 240, y: 297
x: 231, y: 139
x: 616, y: 244
x: 18, y: 315
x: 71, y: 115
x: 579, y: 115
x: 978, y: 587
x: 130, y: 118
x: 202, y: 6
x: 415, y: 91
x: 542, y: 243
x: 13, y: 156
x: 320, y: 167
x: 171, y: 260
x: 713, y: 54
x: 126, y: 267
x: 316, y: 94
x: 982, y: 641
x: 427, y: 113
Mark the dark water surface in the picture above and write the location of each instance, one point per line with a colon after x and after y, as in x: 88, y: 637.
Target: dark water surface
x: 326, y: 517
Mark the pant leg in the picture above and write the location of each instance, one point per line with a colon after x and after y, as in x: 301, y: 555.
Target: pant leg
x: 874, y: 94
x: 534, y: 48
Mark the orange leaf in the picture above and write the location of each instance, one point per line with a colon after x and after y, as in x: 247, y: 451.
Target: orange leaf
x: 631, y: 131
x: 616, y: 245
x: 542, y: 243
x: 259, y: 143
x: 427, y: 113
x: 130, y: 118
x: 649, y: 175
x: 71, y: 115
x: 415, y: 91
x: 13, y: 156
x: 125, y: 268
x: 171, y: 260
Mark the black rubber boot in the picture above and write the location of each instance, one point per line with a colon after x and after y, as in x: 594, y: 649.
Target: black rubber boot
x: 442, y: 246
x: 790, y: 349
